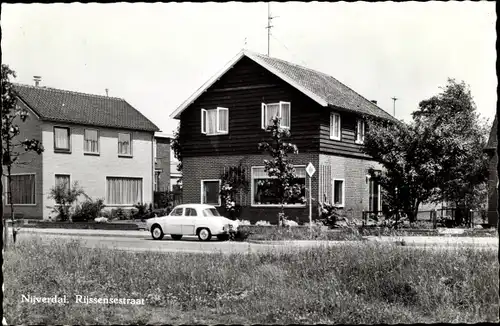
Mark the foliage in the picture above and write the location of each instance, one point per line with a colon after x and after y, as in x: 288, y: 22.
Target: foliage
x: 121, y: 214
x: 233, y: 180
x: 365, y: 284
x: 65, y: 196
x: 177, y: 149
x: 280, y: 166
x: 438, y: 156
x: 89, y: 210
x: 143, y: 211
x: 13, y: 148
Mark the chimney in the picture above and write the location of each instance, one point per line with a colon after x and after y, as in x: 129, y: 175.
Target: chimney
x: 374, y: 102
x: 37, y: 80
x: 107, y: 91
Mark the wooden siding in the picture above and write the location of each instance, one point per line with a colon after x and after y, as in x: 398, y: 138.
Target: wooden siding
x: 346, y: 146
x: 242, y: 90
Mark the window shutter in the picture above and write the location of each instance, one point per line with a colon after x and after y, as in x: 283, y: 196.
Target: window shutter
x: 203, y: 121
x: 222, y: 120
x: 263, y: 118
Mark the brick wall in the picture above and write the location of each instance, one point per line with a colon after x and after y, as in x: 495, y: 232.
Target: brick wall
x: 199, y: 168
x: 28, y: 130
x: 163, y: 162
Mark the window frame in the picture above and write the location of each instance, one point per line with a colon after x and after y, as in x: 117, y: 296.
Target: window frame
x: 98, y: 142
x: 6, y: 189
x: 343, y: 192
x: 202, y: 191
x: 357, y: 140
x: 332, y: 121
x: 58, y: 149
x: 265, y: 119
x: 118, y: 144
x: 252, y: 186
x: 204, y: 115
x: 55, y: 179
x: 106, y: 203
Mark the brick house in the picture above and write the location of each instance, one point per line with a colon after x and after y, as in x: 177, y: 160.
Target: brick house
x: 491, y: 149
x: 102, y: 142
x: 166, y: 174
x: 222, y: 123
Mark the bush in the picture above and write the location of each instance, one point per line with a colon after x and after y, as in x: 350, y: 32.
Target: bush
x: 65, y: 196
x: 89, y: 210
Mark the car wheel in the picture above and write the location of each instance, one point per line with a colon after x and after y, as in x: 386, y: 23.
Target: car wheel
x: 176, y: 236
x: 204, y: 234
x: 223, y: 237
x: 157, y: 232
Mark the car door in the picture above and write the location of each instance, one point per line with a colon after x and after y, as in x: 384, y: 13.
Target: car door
x: 189, y: 221
x: 174, y: 221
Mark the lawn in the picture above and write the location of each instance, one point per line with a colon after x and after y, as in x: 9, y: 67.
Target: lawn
x: 368, y: 284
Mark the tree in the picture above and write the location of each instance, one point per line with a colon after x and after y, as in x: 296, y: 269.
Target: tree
x: 12, y: 147
x: 280, y: 166
x: 177, y: 148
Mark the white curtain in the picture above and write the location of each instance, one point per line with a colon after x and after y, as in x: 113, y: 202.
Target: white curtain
x: 91, y: 143
x: 63, y: 179
x: 223, y: 120
x: 124, y: 191
x: 285, y: 115
x: 211, y: 121
x: 61, y: 136
x: 273, y: 110
x: 23, y: 189
x: 124, y: 143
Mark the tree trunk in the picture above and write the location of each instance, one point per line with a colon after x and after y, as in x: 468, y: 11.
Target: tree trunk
x: 4, y: 222
x: 9, y: 183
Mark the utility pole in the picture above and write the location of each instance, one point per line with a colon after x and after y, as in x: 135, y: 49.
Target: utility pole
x: 394, y: 106
x: 269, y: 26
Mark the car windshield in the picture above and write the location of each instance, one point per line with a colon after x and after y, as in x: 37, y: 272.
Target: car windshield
x: 210, y: 212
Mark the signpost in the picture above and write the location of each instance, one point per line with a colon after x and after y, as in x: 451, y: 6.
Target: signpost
x: 310, y: 171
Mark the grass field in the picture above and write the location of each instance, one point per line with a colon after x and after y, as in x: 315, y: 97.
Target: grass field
x: 368, y: 284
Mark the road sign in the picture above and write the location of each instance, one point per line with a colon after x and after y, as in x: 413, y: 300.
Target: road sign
x: 310, y: 169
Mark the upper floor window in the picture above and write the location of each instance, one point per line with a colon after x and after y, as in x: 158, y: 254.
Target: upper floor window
x: 91, y: 141
x: 124, y: 144
x: 335, y: 126
x: 360, y: 131
x: 62, y: 139
x: 271, y: 110
x: 215, y: 121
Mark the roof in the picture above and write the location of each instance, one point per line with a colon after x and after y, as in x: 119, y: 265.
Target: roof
x: 322, y: 88
x: 163, y: 135
x: 493, y: 140
x: 59, y: 105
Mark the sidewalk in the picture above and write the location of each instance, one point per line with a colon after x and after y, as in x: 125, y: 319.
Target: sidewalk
x: 87, y: 232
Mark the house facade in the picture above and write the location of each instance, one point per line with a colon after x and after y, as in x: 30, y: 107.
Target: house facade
x: 492, y: 150
x: 222, y: 123
x: 102, y: 142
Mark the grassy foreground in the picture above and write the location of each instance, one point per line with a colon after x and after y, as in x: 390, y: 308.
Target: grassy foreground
x: 367, y: 284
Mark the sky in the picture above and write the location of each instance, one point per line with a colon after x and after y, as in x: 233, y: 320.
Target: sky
x: 156, y: 55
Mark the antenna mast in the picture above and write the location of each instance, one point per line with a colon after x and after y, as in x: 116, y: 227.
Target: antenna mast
x: 269, y: 26
x: 394, y: 105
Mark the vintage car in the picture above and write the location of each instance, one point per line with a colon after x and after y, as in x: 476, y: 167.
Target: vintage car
x: 192, y: 219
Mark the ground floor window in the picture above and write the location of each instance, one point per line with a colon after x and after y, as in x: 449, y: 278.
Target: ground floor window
x: 64, y: 180
x: 210, y: 192
x: 265, y: 188
x: 23, y: 189
x: 375, y: 200
x: 123, y: 191
x: 338, y: 192
x: 157, y: 180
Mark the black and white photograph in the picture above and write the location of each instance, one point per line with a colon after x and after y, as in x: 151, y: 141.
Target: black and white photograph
x: 222, y: 163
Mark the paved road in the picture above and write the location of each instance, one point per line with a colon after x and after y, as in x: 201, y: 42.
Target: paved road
x: 141, y: 241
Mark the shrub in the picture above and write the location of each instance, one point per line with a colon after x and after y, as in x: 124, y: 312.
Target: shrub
x: 89, y: 210
x: 120, y: 214
x: 65, y: 196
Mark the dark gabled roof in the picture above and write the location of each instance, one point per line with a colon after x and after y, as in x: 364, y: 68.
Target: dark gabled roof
x: 72, y: 107
x: 493, y: 141
x: 322, y: 88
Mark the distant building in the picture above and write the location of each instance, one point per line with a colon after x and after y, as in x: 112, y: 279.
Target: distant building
x: 166, y: 174
x: 491, y: 149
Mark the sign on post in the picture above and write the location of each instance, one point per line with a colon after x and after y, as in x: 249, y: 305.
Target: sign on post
x: 310, y: 169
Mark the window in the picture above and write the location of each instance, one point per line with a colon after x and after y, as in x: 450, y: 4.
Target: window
x: 207, y: 212
x: 271, y: 110
x: 157, y: 180
x: 375, y: 199
x: 191, y: 212
x: 265, y: 188
x: 210, y: 192
x: 63, y: 179
x: 123, y: 191
x: 335, y: 126
x: 91, y: 141
x: 61, y: 139
x: 215, y: 121
x: 360, y: 131
x: 177, y: 212
x: 23, y: 189
x: 338, y: 192
x: 124, y: 144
